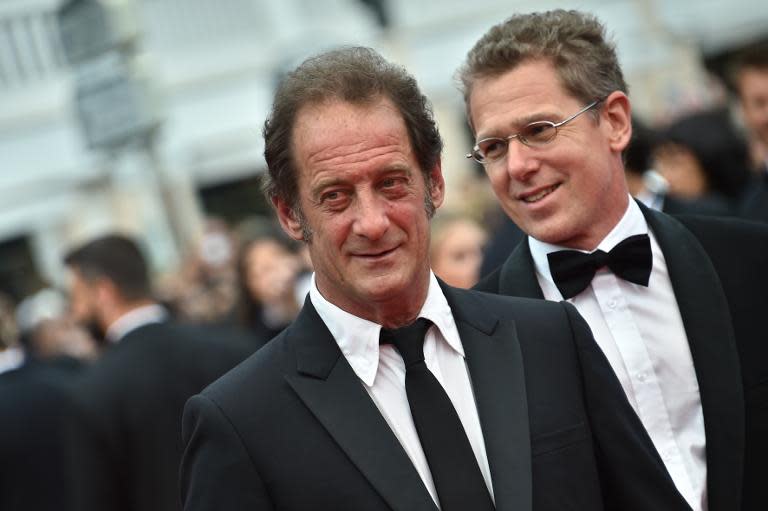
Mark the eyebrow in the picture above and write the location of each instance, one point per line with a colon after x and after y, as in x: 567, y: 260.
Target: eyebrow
x: 519, y: 123
x: 396, y: 168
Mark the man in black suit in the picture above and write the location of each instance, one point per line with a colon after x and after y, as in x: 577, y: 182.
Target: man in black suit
x: 677, y: 308
x: 505, y: 402
x: 33, y: 444
x: 750, y: 76
x: 126, y: 427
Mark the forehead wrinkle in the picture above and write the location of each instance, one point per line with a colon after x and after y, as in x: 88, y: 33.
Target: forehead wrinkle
x: 352, y: 153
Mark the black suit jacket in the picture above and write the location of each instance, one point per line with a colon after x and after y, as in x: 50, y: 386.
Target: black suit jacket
x: 719, y: 275
x: 126, y: 432
x: 33, y: 454
x: 754, y: 205
x: 292, y: 428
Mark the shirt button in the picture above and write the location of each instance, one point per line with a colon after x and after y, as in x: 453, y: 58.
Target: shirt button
x: 642, y: 376
x: 612, y: 304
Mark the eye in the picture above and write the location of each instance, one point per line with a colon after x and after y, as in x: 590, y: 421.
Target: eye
x: 331, y: 196
x: 492, y: 148
x: 539, y: 132
x: 334, y: 198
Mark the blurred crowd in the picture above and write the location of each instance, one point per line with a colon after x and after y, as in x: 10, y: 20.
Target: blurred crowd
x: 240, y: 285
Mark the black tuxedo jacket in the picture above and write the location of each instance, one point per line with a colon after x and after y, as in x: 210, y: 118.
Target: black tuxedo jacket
x: 754, y: 205
x: 719, y: 273
x: 292, y: 428
x: 126, y: 429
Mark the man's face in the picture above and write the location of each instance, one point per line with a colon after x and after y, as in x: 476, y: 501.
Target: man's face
x: 571, y: 191
x: 753, y: 90
x: 362, y: 195
x: 457, y: 254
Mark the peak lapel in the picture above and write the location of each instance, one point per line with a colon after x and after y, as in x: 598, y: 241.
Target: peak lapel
x: 706, y: 318
x: 328, y: 386
x: 496, y: 370
x: 518, y: 275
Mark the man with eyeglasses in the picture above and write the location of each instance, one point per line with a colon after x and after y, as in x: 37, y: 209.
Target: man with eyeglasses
x: 676, y: 305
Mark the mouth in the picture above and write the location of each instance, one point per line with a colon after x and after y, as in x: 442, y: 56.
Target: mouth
x: 372, y: 255
x: 536, y: 197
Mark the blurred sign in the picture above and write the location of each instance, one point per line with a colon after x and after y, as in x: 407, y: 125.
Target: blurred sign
x: 91, y: 27
x: 113, y: 100
x: 113, y: 97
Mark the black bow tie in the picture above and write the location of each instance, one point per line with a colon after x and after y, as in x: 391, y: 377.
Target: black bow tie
x: 573, y: 270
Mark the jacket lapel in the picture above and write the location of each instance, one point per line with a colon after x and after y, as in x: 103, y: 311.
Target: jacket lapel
x: 707, y: 321
x: 328, y: 386
x: 496, y: 370
x: 518, y: 275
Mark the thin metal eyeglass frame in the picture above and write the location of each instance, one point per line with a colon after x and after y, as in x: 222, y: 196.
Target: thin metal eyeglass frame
x: 507, y: 140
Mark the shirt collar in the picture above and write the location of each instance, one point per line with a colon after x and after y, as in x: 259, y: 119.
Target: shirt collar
x: 358, y: 338
x: 134, y: 319
x: 632, y: 223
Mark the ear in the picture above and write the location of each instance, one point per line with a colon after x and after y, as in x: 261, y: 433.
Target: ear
x: 288, y: 219
x: 617, y: 116
x: 437, y: 191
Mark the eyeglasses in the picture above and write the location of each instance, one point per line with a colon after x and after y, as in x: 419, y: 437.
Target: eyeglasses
x: 535, y: 134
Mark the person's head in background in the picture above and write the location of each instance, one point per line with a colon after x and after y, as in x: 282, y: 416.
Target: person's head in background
x: 749, y: 75
x: 108, y: 277
x: 47, y: 331
x: 553, y: 79
x: 267, y: 270
x: 8, y: 330
x: 638, y: 157
x: 700, y: 155
x: 456, y: 249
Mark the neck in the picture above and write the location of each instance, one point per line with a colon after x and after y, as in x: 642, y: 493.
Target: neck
x: 391, y: 312
x: 120, y: 309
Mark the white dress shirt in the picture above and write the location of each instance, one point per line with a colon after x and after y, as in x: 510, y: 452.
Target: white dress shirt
x: 382, y: 372
x: 641, y: 333
x: 140, y: 316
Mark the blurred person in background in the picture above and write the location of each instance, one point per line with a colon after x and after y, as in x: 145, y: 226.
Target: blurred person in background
x: 126, y: 426
x: 647, y: 185
x: 11, y: 355
x: 456, y: 249
x: 704, y: 161
x: 268, y: 272
x: 34, y: 406
x: 205, y: 289
x: 677, y: 306
x: 48, y: 333
x: 750, y: 77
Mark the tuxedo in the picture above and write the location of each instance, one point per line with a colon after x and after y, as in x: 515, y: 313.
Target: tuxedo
x: 754, y: 205
x: 126, y: 430
x: 719, y: 275
x: 33, y: 454
x: 293, y: 428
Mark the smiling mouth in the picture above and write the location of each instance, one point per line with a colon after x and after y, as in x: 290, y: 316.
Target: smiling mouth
x: 537, y: 197
x: 377, y: 254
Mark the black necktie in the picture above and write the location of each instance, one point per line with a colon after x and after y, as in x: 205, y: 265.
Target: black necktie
x: 459, y: 483
x: 631, y: 260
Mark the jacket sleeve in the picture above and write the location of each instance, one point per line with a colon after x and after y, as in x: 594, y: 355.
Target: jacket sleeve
x: 216, y: 471
x: 632, y: 474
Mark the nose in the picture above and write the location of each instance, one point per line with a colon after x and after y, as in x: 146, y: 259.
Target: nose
x: 372, y: 219
x: 520, y: 161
